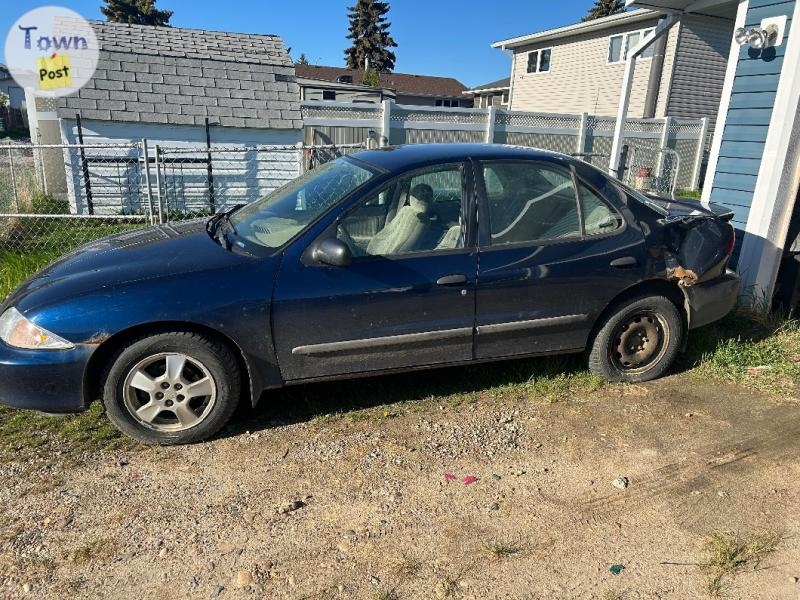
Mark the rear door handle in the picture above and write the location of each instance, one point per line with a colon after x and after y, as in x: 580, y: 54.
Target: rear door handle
x: 454, y: 279
x: 626, y: 262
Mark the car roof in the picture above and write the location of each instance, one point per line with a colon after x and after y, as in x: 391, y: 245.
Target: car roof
x: 400, y: 158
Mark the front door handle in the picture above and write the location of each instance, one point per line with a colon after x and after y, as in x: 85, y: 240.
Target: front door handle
x: 626, y: 262
x: 454, y: 279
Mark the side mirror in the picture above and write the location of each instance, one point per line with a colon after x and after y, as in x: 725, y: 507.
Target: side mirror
x: 334, y: 252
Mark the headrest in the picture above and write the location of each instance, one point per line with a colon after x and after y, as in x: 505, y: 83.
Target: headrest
x: 421, y: 198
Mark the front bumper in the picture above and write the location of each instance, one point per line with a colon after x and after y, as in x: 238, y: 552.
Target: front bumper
x: 45, y: 380
x: 712, y: 300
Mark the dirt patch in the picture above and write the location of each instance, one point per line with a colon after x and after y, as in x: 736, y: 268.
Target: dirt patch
x: 493, y: 496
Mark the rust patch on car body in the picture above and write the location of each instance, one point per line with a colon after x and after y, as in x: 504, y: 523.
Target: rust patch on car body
x: 685, y: 277
x: 98, y: 338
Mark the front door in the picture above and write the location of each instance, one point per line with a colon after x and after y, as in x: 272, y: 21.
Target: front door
x: 408, y: 297
x: 553, y: 253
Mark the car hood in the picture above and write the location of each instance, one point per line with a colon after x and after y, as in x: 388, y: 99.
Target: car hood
x: 150, y: 253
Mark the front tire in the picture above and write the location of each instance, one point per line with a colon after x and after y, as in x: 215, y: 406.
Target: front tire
x: 639, y: 341
x: 172, y: 388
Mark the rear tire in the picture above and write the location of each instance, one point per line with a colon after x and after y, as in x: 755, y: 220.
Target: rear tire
x: 639, y: 341
x: 172, y: 388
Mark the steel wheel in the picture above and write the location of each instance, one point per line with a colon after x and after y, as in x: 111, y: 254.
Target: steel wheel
x: 639, y: 341
x: 169, y: 392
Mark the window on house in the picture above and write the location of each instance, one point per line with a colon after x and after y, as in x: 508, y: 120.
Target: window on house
x: 454, y: 103
x: 345, y: 79
x: 328, y: 95
x: 620, y: 45
x: 505, y: 98
x: 539, y: 60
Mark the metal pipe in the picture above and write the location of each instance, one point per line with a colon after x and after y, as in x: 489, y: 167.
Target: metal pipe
x: 13, y: 179
x: 656, y: 71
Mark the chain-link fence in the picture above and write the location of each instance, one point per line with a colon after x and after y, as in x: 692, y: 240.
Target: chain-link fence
x: 54, y: 198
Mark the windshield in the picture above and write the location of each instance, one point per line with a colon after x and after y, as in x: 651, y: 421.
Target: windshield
x: 277, y: 218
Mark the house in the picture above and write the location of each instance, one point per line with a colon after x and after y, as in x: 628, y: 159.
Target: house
x: 176, y: 86
x: 420, y: 90
x: 491, y: 94
x: 579, y: 68
x: 341, y: 90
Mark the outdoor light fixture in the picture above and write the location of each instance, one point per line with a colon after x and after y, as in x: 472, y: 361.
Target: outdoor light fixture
x: 756, y: 37
x: 769, y: 34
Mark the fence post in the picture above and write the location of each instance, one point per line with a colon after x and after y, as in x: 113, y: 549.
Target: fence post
x: 701, y: 150
x: 211, y: 194
x: 584, y: 124
x: 386, y: 123
x: 147, y: 181
x: 491, y: 121
x: 87, y: 183
x: 663, y: 146
x: 158, y: 184
x: 13, y: 179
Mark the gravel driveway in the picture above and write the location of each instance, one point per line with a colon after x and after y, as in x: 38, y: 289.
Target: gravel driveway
x: 487, y: 495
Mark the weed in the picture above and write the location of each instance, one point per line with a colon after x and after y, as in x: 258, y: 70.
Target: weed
x: 91, y: 551
x: 386, y: 594
x: 500, y: 549
x: 727, y: 554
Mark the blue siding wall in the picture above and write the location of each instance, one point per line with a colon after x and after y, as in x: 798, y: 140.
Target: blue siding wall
x: 752, y: 101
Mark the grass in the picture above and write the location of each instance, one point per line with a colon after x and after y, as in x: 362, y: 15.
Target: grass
x: 23, y: 433
x: 16, y: 268
x: 729, y: 554
x: 91, y: 551
x: 689, y: 194
x: 759, y: 349
x: 500, y: 548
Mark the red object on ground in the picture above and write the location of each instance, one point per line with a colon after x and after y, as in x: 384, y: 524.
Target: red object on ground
x: 449, y: 477
x: 470, y: 479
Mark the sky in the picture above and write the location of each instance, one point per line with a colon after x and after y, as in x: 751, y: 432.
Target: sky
x: 435, y: 37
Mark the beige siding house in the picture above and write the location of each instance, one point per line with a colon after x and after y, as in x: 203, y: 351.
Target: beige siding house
x: 579, y: 68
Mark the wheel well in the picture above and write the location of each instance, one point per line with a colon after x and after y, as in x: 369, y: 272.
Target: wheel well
x: 650, y: 286
x: 100, y: 359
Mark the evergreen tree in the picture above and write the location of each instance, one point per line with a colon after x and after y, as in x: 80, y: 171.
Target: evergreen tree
x: 302, y: 60
x: 135, y: 12
x: 371, y: 78
x: 369, y: 32
x: 604, y: 8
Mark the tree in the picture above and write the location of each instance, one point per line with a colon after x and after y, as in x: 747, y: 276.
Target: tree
x: 371, y: 78
x: 369, y: 32
x: 604, y: 8
x: 135, y: 12
x: 302, y: 60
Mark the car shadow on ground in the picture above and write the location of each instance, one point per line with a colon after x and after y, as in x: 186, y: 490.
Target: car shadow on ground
x: 296, y: 404
x: 530, y: 376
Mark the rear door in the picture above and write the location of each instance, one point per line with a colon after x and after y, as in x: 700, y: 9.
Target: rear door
x: 553, y: 253
x: 407, y: 299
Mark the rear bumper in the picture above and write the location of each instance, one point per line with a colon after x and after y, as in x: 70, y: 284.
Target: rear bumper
x: 710, y: 301
x: 44, y: 380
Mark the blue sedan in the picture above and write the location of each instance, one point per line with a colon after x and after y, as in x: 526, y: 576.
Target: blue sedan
x: 388, y: 260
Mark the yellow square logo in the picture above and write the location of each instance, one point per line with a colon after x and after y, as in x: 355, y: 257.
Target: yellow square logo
x: 54, y: 72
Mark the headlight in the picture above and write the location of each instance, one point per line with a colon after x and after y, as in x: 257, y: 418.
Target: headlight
x: 19, y: 332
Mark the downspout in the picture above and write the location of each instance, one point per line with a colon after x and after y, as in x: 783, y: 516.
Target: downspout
x: 513, y: 56
x: 615, y: 166
x: 656, y: 73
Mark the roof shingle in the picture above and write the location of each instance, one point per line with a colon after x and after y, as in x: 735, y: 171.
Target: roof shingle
x: 182, y: 76
x: 402, y: 83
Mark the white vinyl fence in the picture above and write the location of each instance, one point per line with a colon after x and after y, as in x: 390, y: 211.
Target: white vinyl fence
x: 663, y: 154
